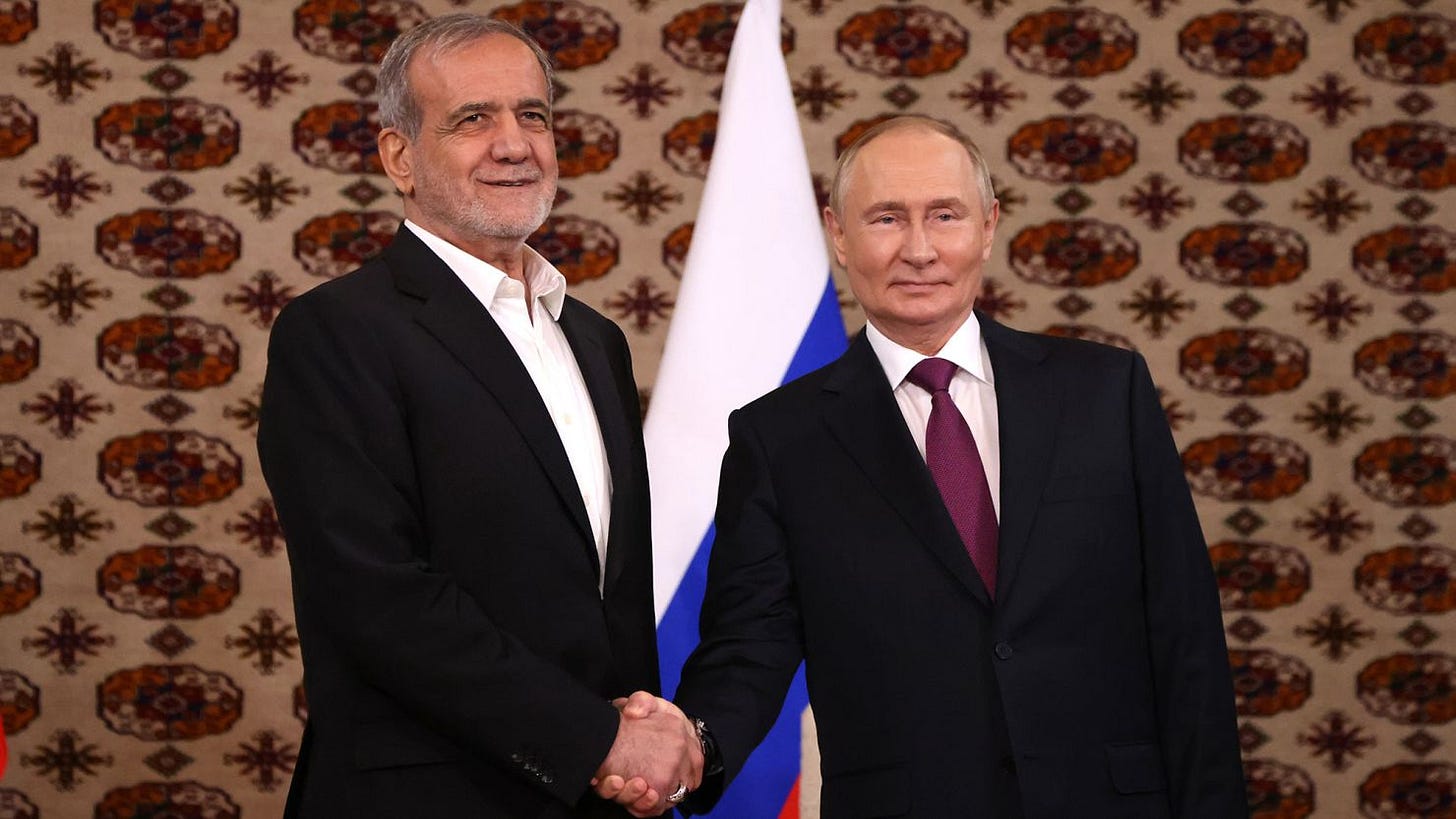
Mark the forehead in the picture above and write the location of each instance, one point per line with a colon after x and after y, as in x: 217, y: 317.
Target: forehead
x: 911, y: 164
x: 495, y: 67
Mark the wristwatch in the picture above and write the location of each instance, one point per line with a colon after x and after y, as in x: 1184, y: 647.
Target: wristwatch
x: 712, y: 757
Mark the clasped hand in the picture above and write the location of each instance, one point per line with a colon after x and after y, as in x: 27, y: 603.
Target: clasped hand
x: 656, y: 753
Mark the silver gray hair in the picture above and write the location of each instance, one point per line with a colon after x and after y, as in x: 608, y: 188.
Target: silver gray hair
x: 846, y: 160
x: 398, y: 108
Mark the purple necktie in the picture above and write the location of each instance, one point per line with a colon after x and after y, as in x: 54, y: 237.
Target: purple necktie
x: 955, y: 464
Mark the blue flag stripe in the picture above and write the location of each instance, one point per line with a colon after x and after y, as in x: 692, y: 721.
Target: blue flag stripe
x: 766, y: 780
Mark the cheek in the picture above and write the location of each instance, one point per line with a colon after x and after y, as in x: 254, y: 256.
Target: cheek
x: 868, y: 288
x: 545, y: 151
x: 969, y: 252
x: 875, y: 254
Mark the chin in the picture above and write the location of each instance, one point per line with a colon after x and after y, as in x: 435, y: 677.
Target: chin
x: 924, y: 310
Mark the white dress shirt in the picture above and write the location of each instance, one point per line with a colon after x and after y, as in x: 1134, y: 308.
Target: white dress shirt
x: 972, y: 388
x: 533, y: 331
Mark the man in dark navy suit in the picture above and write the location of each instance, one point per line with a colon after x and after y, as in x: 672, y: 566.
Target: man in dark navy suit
x: 979, y: 540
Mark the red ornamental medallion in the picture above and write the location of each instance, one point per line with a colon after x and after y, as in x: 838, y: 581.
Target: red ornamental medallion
x: 1408, y: 259
x: 169, y: 702
x: 1071, y: 43
x: 1414, y: 49
x: 333, y: 245
x: 1073, y: 253
x: 1267, y: 683
x: 1258, y: 576
x: 168, y: 244
x: 188, y: 799
x: 181, y: 582
x: 1244, y: 254
x: 1413, y: 579
x: 170, y: 468
x: 1244, y: 361
x: 168, y: 134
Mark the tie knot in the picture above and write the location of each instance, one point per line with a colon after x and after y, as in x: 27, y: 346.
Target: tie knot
x: 932, y: 375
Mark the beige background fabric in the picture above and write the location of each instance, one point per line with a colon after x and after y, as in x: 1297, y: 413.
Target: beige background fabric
x: 1258, y: 196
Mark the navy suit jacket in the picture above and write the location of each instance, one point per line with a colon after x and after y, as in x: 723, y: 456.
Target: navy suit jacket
x: 1096, y: 685
x: 458, y: 658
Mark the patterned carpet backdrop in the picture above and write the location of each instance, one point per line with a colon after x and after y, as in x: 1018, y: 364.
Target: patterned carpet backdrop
x: 1258, y: 196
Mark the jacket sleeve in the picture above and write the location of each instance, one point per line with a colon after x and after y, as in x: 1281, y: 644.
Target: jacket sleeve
x: 1191, y: 678
x: 336, y: 454
x: 752, y: 637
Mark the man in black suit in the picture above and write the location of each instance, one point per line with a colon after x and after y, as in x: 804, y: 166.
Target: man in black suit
x: 455, y: 449
x: 998, y: 583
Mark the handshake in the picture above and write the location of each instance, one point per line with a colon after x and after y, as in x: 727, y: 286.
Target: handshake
x: 656, y: 760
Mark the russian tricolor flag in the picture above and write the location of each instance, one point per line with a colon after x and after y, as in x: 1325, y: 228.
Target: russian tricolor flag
x: 756, y: 308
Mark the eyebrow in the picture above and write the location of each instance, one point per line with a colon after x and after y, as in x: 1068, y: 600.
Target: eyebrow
x: 525, y: 104
x: 897, y: 205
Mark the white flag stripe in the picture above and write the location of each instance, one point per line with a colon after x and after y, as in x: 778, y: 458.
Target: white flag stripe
x: 754, y: 275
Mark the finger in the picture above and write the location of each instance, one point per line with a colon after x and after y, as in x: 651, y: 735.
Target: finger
x: 619, y: 703
x: 640, y: 704
x: 651, y: 804
x: 633, y: 791
x: 610, y: 786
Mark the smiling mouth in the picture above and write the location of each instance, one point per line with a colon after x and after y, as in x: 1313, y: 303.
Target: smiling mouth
x: 512, y: 183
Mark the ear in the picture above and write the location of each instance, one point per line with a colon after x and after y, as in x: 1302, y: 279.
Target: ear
x: 836, y: 234
x: 992, y: 218
x: 396, y: 154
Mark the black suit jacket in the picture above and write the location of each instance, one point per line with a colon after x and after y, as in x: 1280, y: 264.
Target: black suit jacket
x: 1096, y: 685
x: 458, y: 658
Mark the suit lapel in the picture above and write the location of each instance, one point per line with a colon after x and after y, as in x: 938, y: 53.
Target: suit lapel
x: 452, y: 314
x: 1027, y: 401
x: 861, y: 412
x: 596, y: 371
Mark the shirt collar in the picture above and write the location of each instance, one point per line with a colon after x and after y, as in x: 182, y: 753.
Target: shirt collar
x: 548, y: 285
x: 963, y: 349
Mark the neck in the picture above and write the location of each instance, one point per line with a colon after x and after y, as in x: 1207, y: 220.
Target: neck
x: 509, y: 258
x: 505, y: 254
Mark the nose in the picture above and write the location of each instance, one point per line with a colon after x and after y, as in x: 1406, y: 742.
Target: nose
x: 510, y: 144
x: 918, y: 249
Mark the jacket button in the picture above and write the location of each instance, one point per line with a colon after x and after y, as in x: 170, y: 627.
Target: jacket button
x: 516, y: 757
x: 1003, y: 651
x: 547, y: 779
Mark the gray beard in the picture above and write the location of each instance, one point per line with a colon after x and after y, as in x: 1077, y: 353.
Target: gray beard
x: 473, y: 220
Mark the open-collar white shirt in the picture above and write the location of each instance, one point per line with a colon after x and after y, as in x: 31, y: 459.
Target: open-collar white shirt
x: 972, y: 388
x: 535, y: 334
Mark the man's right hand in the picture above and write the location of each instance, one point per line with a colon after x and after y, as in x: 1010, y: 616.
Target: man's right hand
x: 656, y: 753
